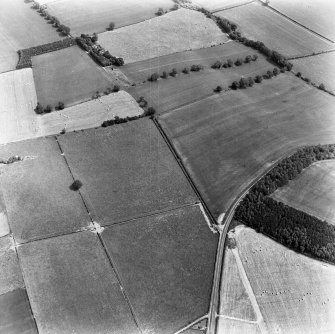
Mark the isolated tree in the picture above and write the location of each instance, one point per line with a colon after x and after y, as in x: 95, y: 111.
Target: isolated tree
x: 254, y: 57
x: 235, y: 85
x: 111, y: 26
x: 116, y: 88
x: 217, y: 65
x: 250, y: 81
x: 218, y: 89
x: 258, y: 79
x: 289, y: 66
x: 225, y: 65
x: 76, y: 185
x: 56, y: 22
x: 164, y: 75
x: 275, y: 71
x: 94, y: 37
x: 230, y: 63
x: 153, y: 77
x: 322, y: 86
x: 150, y: 112
x: 186, y: 70
x: 175, y: 7
x: 39, y: 109
x: 298, y: 74
x: 60, y: 105
x: 160, y: 12
x: 243, y: 83
x: 47, y: 109
x: 238, y: 62
x: 174, y: 72
x: 247, y: 59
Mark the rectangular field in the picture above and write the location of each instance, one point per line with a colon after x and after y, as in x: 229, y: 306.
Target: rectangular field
x: 89, y: 16
x: 17, y: 101
x: 294, y: 293
x: 316, y: 15
x: 72, y: 287
x: 21, y: 27
x: 168, y: 94
x: 68, y: 75
x: 276, y: 32
x: 36, y: 191
x: 127, y: 171
x: 176, y: 31
x: 319, y: 69
x: 228, y: 139
x: 89, y: 114
x: 166, y: 264
x: 313, y: 191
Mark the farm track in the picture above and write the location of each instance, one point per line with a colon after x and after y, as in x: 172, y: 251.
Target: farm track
x: 296, y: 22
x: 310, y: 55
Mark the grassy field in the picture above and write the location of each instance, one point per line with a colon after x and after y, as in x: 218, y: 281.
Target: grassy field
x: 72, y: 287
x: 260, y: 23
x: 294, y: 293
x: 319, y: 69
x: 228, y: 139
x: 36, y: 191
x: 166, y: 264
x: 170, y: 93
x: 68, y: 75
x: 88, y: 16
x: 176, y: 31
x: 127, y: 171
x: 20, y: 28
x: 313, y: 191
x: 17, y: 101
x: 316, y: 15
x: 89, y: 114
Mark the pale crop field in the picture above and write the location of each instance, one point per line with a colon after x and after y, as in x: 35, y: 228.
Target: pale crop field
x: 88, y: 16
x: 89, y: 114
x: 228, y: 139
x: 316, y: 15
x: 313, y: 191
x: 21, y: 27
x: 319, y: 69
x: 276, y: 32
x: 176, y: 31
x: 17, y: 100
x: 295, y: 293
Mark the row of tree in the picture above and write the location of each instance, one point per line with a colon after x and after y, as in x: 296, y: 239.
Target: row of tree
x: 48, y: 109
x: 230, y: 63
x: 97, y: 52
x: 194, y: 68
x: 25, y: 55
x: 291, y: 227
x: 53, y: 20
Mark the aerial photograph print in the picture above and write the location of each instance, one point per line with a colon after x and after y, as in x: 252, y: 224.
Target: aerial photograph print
x: 167, y: 166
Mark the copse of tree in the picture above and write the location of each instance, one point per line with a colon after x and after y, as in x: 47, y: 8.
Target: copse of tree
x: 196, y: 68
x: 286, y: 225
x: 116, y: 88
x: 150, y: 112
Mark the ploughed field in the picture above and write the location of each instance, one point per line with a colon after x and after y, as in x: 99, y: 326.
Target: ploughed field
x: 313, y: 191
x: 68, y: 75
x: 228, y: 139
x: 172, y: 92
x: 319, y: 69
x: 89, y: 16
x: 175, y: 31
x: 21, y: 27
x: 293, y: 293
x: 316, y: 15
x: 276, y: 32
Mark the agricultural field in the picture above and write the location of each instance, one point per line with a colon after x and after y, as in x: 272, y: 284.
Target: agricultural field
x: 36, y: 191
x: 127, y: 171
x: 294, y: 293
x: 89, y: 16
x: 17, y: 101
x: 313, y: 191
x: 166, y: 264
x: 89, y: 114
x: 319, y: 69
x: 168, y: 94
x: 316, y: 15
x: 173, y: 32
x: 284, y: 36
x: 68, y: 75
x: 229, y: 139
x: 16, y: 19
x: 72, y: 287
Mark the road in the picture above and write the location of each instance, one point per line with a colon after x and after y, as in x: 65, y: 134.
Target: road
x: 223, y: 222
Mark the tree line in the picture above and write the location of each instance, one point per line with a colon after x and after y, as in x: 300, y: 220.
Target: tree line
x: 295, y: 229
x: 194, y: 68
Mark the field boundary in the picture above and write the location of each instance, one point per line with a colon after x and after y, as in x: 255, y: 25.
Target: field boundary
x: 311, y: 55
x: 231, y: 7
x: 183, y: 168
x: 295, y: 22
